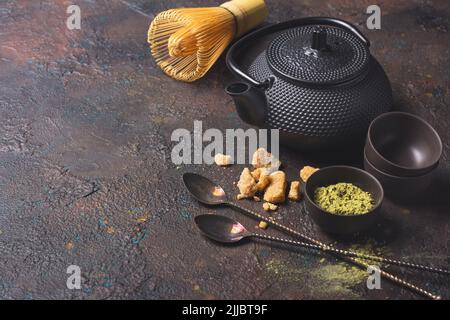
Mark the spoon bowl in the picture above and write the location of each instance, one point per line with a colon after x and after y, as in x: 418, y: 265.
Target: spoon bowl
x: 204, y: 190
x: 220, y: 228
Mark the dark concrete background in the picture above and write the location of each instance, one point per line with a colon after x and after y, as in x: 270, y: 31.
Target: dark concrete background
x: 86, y: 176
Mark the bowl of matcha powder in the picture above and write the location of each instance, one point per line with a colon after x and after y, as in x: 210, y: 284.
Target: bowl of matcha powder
x: 343, y: 199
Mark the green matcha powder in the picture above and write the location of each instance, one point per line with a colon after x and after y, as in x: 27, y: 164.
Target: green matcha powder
x: 343, y: 199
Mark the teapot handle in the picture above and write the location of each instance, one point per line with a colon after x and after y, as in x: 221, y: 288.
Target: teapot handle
x: 238, y: 45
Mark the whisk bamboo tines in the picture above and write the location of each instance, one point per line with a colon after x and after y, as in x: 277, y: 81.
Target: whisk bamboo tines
x: 187, y: 42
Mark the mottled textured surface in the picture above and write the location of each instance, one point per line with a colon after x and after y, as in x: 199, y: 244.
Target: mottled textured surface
x: 86, y: 176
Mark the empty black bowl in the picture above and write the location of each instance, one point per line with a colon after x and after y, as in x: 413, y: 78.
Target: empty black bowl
x: 340, y: 224
x: 402, y: 144
x: 402, y: 188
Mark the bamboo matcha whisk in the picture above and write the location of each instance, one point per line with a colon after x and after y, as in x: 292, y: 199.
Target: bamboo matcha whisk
x: 186, y: 42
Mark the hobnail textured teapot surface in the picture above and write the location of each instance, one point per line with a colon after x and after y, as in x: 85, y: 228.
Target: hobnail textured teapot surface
x: 321, y: 83
x: 318, y: 55
x: 314, y: 111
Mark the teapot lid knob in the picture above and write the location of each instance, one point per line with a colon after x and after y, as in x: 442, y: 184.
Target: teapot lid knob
x: 319, y: 39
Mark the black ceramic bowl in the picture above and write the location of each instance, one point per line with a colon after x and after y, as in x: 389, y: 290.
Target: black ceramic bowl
x: 340, y: 224
x: 402, y: 144
x: 404, y: 188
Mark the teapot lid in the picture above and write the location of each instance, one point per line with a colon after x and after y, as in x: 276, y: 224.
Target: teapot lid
x: 317, y: 54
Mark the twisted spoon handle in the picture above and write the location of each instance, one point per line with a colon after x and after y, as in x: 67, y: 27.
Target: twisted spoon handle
x: 354, y: 254
x: 329, y: 248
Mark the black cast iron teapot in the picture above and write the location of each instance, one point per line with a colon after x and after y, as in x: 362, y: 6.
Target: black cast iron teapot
x: 312, y: 78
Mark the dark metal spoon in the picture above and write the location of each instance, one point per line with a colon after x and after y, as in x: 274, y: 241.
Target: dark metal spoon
x: 210, y: 193
x: 226, y: 230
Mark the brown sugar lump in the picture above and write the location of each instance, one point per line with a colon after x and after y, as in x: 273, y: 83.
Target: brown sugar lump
x: 264, y: 159
x: 294, y: 191
x: 276, y: 191
x: 262, y: 178
x: 261, y: 158
x: 306, y: 172
x: 246, y: 185
x: 263, y: 225
x: 258, y: 172
x: 267, y: 206
x: 263, y: 183
x: 222, y: 160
